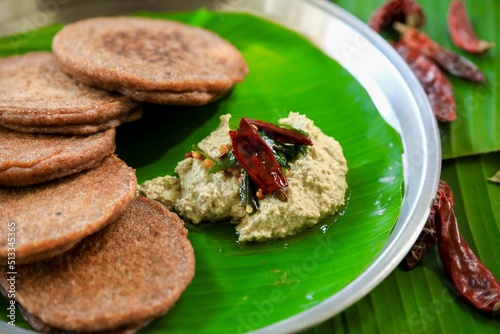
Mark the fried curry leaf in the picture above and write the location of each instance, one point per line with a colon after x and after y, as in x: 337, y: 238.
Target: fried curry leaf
x: 196, y: 148
x: 247, y: 194
x: 226, y: 161
x: 234, y: 122
x: 284, y: 154
x: 288, y: 126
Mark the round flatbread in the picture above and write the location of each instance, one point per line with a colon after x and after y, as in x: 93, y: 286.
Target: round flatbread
x: 123, y: 276
x: 35, y: 92
x: 27, y: 159
x: 79, y: 129
x: 130, y: 54
x: 174, y: 98
x: 51, y: 217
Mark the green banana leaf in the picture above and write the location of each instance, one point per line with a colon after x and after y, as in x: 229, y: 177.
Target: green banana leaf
x: 423, y: 300
x: 476, y: 129
x: 243, y: 287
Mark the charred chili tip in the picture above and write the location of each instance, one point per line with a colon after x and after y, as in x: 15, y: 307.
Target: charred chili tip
x: 473, y: 281
x: 408, y: 11
x: 461, y: 31
x: 257, y: 159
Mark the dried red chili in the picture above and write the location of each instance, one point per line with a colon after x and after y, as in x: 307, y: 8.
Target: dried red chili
x: 461, y: 32
x: 447, y: 59
x: 427, y: 238
x: 286, y: 136
x: 437, y: 87
x: 425, y: 242
x: 445, y: 189
x: 473, y: 281
x: 257, y: 159
x: 408, y: 11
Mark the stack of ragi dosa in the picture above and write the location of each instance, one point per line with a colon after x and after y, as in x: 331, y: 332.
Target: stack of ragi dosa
x: 89, y: 255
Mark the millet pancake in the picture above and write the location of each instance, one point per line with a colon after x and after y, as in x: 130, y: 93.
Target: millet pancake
x: 151, y: 60
x: 37, y: 93
x: 79, y: 129
x: 52, y: 217
x: 121, y: 277
x: 27, y: 159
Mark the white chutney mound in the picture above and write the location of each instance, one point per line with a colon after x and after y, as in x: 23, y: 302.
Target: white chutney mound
x: 317, y: 188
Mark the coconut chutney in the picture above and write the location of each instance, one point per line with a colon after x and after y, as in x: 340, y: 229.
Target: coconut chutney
x: 316, y: 187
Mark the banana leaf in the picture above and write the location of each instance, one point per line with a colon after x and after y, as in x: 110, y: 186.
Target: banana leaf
x: 423, y: 300
x: 244, y: 287
x: 476, y: 129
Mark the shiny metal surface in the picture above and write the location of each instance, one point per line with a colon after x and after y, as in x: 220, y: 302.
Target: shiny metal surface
x: 393, y: 88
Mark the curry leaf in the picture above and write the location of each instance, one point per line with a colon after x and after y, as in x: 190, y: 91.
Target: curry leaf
x: 225, y: 162
x: 284, y: 154
x: 196, y: 148
x: 247, y: 194
x: 290, y: 127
